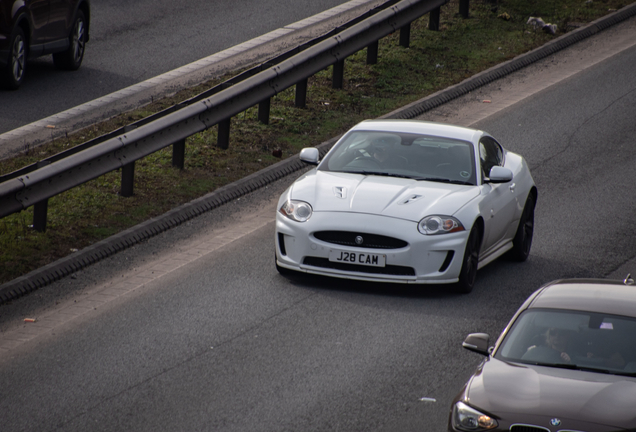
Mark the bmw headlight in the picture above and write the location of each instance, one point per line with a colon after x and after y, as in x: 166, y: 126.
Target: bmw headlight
x: 466, y: 418
x: 432, y: 225
x: 300, y: 211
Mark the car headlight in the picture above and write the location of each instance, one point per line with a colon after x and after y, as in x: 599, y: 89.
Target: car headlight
x: 432, y: 225
x: 300, y: 211
x: 466, y: 418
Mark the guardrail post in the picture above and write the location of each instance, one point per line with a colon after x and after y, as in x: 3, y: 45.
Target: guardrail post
x: 263, y: 110
x: 301, y: 93
x: 463, y: 8
x: 372, y: 53
x: 433, y: 21
x: 40, y: 210
x: 338, y: 74
x: 223, y: 139
x: 178, y: 154
x: 127, y: 179
x: 405, y: 35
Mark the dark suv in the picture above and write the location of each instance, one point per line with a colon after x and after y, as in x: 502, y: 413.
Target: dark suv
x: 33, y: 28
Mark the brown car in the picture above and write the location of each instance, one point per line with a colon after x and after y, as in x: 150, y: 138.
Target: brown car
x: 565, y: 362
x: 33, y: 28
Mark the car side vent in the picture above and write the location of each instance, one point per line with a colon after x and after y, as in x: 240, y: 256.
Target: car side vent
x: 281, y: 244
x: 528, y: 428
x: 447, y: 261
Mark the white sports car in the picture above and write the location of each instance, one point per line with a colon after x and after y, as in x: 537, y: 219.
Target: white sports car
x: 407, y: 201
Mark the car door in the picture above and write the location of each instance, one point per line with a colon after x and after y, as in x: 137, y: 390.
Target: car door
x: 38, y: 11
x: 60, y: 19
x: 499, y: 202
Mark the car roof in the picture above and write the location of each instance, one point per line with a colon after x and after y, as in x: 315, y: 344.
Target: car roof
x: 419, y: 127
x: 594, y: 295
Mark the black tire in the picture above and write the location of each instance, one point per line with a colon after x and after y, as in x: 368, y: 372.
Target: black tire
x: 13, y: 73
x: 522, y: 241
x: 71, y: 59
x: 470, y: 261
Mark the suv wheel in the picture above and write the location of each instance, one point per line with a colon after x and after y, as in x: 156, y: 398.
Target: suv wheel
x: 13, y: 72
x: 71, y: 59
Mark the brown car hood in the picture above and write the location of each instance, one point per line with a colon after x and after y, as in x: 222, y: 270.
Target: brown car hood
x: 521, y: 392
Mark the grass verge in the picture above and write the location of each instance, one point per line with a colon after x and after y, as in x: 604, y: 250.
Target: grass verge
x: 495, y: 31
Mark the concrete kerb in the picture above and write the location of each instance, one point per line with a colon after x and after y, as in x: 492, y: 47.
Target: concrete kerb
x: 118, y: 242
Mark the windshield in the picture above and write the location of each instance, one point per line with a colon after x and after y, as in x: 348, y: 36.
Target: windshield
x: 572, y: 339
x: 420, y: 157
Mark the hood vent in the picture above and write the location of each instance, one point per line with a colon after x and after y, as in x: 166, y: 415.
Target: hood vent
x: 410, y: 199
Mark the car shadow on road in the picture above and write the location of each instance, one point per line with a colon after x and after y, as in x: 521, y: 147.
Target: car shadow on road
x: 503, y: 280
x: 318, y: 282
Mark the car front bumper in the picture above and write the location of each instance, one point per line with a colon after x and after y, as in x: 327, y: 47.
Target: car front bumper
x: 435, y: 259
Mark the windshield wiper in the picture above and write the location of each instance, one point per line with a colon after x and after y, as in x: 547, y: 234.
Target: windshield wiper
x: 573, y: 366
x: 628, y: 374
x: 592, y: 369
x: 385, y: 174
x: 433, y: 179
x: 443, y: 180
x: 555, y: 365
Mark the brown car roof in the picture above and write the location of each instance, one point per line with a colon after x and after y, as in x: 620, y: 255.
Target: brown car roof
x: 595, y: 295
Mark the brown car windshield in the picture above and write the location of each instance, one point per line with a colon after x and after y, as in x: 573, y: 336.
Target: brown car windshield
x: 414, y: 156
x: 573, y: 340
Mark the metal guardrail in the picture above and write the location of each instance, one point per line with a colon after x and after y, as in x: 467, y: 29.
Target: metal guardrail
x: 89, y: 161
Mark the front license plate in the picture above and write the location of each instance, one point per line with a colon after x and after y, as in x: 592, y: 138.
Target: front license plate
x: 360, y: 258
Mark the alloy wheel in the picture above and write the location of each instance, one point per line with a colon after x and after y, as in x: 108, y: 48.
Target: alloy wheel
x: 18, y: 58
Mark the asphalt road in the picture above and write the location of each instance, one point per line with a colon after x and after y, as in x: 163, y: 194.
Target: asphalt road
x: 133, y: 41
x: 195, y: 330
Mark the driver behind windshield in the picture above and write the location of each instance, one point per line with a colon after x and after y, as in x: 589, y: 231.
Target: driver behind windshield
x: 557, y: 348
x: 384, y: 150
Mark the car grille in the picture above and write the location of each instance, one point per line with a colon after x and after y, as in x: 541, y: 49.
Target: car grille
x: 387, y: 270
x: 528, y: 428
x: 369, y: 241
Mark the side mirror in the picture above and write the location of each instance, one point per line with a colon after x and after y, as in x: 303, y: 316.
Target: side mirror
x: 477, y: 342
x: 310, y: 155
x: 499, y: 174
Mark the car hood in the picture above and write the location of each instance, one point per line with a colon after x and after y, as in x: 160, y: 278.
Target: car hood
x: 388, y: 196
x: 518, y: 392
